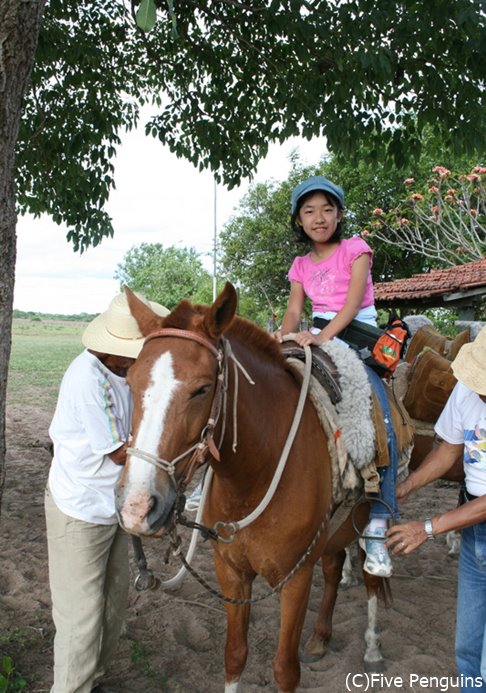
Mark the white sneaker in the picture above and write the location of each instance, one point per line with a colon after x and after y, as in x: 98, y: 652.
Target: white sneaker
x: 377, y: 561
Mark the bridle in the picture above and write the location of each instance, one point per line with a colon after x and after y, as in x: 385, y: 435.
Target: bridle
x: 206, y: 442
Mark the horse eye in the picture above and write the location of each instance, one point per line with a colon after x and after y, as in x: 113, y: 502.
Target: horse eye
x: 201, y: 391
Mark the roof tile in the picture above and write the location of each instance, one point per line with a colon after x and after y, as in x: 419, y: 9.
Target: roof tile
x: 436, y: 282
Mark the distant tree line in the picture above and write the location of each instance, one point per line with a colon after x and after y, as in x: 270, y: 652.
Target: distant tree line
x: 34, y: 315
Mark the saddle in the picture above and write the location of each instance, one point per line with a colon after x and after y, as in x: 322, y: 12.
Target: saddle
x: 431, y: 381
x: 323, y: 367
x: 427, y: 336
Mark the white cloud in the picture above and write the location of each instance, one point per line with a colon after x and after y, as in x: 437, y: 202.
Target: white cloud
x: 158, y: 199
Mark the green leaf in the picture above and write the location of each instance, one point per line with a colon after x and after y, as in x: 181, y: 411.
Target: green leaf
x: 146, y: 15
x: 7, y: 665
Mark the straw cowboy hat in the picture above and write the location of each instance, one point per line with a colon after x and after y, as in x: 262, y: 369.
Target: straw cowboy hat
x: 116, y: 331
x: 469, y: 366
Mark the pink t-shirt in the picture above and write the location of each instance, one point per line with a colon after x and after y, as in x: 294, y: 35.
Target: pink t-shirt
x: 326, y: 283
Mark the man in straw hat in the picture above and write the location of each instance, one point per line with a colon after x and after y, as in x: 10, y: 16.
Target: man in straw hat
x: 462, y: 427
x: 88, y: 552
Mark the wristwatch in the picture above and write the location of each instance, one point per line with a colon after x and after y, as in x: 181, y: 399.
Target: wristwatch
x: 428, y: 528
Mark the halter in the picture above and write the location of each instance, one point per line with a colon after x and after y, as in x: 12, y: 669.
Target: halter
x: 206, y: 441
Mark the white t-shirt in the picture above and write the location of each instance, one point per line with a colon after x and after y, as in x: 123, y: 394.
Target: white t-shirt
x: 92, y: 419
x: 463, y: 420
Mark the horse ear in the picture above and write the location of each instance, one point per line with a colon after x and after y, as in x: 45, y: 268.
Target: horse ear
x: 148, y: 321
x: 221, y: 314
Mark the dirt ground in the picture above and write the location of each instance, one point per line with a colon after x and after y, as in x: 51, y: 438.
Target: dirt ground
x: 173, y: 642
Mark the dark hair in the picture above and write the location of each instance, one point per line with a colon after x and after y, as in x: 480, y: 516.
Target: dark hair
x: 300, y: 234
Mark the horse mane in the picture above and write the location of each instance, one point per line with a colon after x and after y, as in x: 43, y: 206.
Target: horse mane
x: 257, y: 339
x: 187, y: 316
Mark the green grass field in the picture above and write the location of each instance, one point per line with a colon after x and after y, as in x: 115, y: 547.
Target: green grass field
x: 41, y: 352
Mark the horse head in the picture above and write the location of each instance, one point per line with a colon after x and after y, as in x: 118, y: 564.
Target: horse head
x: 174, y: 385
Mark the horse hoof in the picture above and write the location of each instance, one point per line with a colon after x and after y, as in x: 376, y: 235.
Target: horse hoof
x: 348, y: 582
x: 307, y: 657
x: 377, y: 667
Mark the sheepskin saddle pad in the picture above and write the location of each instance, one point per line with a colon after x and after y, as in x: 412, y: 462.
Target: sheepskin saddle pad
x: 354, y: 423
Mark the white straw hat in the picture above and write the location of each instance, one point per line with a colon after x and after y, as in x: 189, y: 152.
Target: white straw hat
x: 116, y: 331
x: 469, y: 366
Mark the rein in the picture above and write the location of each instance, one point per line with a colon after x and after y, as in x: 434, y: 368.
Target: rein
x: 233, y: 527
x: 176, y: 541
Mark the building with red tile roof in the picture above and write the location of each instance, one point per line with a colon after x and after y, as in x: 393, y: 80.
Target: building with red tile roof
x: 462, y: 287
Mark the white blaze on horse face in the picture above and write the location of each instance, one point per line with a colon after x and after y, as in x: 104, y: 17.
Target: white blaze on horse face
x: 155, y: 403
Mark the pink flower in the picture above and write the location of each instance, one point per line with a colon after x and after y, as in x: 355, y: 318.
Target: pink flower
x: 433, y: 189
x: 377, y: 211
x: 409, y: 181
x: 404, y: 221
x: 451, y: 191
x: 442, y: 171
x: 479, y: 169
x: 473, y: 177
x: 417, y: 196
x: 365, y: 233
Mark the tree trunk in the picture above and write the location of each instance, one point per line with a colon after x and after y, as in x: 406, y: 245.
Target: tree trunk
x: 20, y: 22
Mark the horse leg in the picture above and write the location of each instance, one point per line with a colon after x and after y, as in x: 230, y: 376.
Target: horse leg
x: 376, y: 588
x: 294, y: 598
x: 236, y: 648
x: 349, y: 578
x: 332, y: 568
x: 237, y: 586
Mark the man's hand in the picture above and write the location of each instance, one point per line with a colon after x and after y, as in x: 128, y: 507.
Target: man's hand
x: 119, y: 456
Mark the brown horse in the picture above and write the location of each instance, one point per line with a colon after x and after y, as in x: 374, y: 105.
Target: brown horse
x: 209, y: 386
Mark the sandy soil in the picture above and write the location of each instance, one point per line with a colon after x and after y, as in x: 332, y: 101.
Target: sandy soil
x: 173, y: 642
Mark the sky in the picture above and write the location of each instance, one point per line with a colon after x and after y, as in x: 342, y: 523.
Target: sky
x: 158, y: 199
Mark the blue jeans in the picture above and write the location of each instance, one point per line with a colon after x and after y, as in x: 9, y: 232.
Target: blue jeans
x: 388, y: 475
x: 471, y: 609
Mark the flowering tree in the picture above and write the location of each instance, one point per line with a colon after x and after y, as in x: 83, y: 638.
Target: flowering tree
x: 444, y: 220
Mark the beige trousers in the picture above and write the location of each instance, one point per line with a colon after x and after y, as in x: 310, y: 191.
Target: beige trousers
x: 88, y: 575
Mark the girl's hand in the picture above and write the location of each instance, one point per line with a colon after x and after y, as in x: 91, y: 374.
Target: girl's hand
x: 306, y: 338
x: 406, y: 538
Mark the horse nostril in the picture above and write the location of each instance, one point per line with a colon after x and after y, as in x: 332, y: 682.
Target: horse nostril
x: 160, y: 508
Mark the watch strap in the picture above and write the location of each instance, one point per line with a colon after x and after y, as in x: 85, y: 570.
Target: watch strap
x: 428, y: 528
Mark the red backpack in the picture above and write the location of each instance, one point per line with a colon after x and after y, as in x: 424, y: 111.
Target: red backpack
x: 389, y: 348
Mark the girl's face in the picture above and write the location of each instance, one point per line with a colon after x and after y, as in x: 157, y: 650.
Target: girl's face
x: 319, y: 217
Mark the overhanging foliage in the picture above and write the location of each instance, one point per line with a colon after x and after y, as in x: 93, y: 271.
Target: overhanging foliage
x: 230, y: 77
